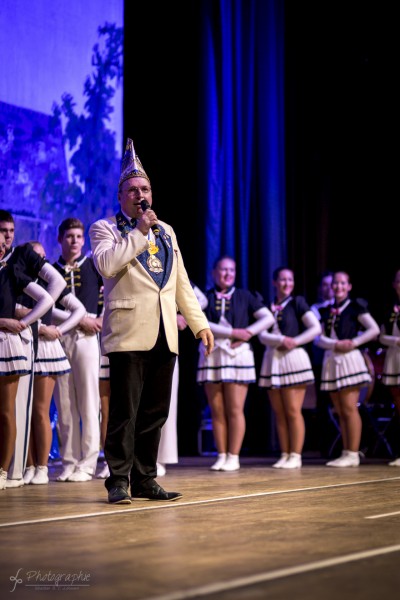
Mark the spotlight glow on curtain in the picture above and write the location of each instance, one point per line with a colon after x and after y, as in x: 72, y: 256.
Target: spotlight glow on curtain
x: 243, y: 137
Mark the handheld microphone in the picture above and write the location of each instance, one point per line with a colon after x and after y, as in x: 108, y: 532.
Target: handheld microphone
x: 155, y: 228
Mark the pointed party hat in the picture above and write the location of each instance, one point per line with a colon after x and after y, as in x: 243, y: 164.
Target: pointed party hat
x: 131, y: 165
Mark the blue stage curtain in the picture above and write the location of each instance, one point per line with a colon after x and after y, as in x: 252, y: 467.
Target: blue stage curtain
x: 242, y: 137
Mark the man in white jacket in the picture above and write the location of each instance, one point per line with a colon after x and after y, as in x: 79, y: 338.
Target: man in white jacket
x: 145, y: 283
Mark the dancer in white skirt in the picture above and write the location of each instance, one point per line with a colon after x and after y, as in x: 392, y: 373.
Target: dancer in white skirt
x: 390, y: 337
x: 235, y: 316
x: 23, y: 258
x: 49, y: 362
x: 346, y: 326
x: 286, y: 367
x: 13, y: 353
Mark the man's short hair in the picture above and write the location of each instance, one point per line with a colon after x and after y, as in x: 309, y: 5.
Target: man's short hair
x: 6, y: 216
x: 70, y: 223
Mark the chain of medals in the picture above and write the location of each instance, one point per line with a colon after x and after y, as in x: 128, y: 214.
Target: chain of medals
x: 153, y: 262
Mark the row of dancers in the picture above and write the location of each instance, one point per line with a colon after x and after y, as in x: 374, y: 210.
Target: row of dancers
x: 339, y: 325
x: 63, y: 302
x: 50, y: 348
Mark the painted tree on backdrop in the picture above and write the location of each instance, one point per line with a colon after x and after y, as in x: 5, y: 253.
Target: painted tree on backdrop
x: 94, y: 164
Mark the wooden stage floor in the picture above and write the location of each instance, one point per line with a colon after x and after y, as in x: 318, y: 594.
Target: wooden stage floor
x: 318, y: 533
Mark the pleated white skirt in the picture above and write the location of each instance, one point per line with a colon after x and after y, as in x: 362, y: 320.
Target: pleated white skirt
x: 391, y: 367
x: 51, y: 358
x: 285, y: 368
x: 226, y: 364
x: 342, y: 370
x: 104, y: 367
x: 13, y: 354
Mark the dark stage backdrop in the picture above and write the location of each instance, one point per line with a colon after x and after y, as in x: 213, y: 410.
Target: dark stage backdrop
x: 339, y: 137
x: 342, y: 130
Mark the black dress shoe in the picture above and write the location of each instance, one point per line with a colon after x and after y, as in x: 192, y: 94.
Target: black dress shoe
x: 155, y: 492
x: 119, y: 495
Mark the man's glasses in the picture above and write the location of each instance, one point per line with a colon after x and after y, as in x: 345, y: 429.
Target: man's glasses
x: 139, y: 190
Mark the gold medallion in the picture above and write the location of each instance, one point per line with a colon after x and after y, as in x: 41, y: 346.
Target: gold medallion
x: 154, y: 264
x: 153, y: 249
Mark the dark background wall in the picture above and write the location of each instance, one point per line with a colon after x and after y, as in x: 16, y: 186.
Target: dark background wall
x: 341, y: 71
x: 342, y: 131
x: 161, y: 107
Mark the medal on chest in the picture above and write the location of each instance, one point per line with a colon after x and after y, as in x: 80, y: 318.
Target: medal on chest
x: 153, y: 262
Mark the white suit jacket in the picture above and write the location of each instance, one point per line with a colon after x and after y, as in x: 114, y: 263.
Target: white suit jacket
x: 133, y: 301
